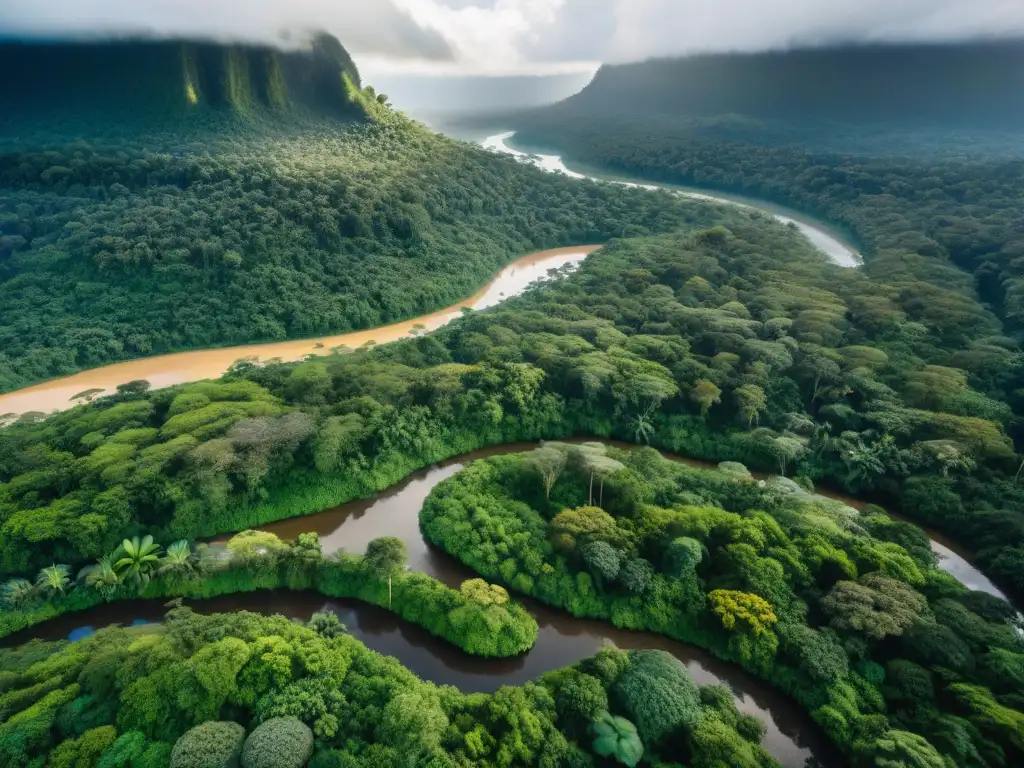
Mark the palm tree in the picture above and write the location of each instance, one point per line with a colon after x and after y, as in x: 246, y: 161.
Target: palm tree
x: 19, y: 594
x: 102, y: 577
x: 617, y: 738
x: 179, y: 560
x: 139, y: 559
x: 54, y: 580
x: 642, y: 425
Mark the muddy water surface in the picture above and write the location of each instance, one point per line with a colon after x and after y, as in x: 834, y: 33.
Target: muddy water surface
x: 167, y: 370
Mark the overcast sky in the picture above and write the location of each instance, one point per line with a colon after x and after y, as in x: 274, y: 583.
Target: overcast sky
x: 527, y: 36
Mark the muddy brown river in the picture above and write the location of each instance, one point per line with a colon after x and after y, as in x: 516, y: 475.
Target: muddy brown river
x: 183, y: 367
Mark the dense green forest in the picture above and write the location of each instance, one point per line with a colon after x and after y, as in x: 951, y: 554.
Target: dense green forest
x: 934, y: 203
x: 732, y: 342
x: 204, y: 691
x: 713, y: 332
x: 897, y: 661
x: 244, y: 223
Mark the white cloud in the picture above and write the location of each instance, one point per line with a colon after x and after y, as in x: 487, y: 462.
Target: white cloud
x: 531, y: 36
x: 686, y: 26
x: 378, y: 27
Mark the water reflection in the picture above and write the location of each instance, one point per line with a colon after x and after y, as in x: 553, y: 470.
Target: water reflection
x: 562, y: 639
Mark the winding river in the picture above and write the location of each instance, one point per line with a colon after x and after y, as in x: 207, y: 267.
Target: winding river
x: 791, y: 736
x: 562, y: 640
x: 179, y: 368
x: 840, y: 252
x: 183, y: 367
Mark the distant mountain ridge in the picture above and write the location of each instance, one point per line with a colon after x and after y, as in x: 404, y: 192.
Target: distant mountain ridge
x: 978, y: 84
x: 171, y: 78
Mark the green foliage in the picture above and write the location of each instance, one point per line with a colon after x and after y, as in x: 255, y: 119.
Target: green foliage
x: 586, y: 524
x: 412, y: 723
x: 85, y: 750
x: 741, y: 611
x: 682, y: 556
x: 126, y: 751
x: 178, y: 560
x: 282, y: 742
x: 617, y: 738
x: 102, y: 577
x: 602, y: 559
x: 636, y: 575
x: 659, y: 694
x: 715, y: 744
x: 874, y: 605
x: 900, y: 748
x: 54, y: 580
x: 19, y: 594
x: 209, y: 745
x: 137, y: 560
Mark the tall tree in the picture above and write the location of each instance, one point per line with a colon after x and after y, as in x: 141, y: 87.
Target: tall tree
x: 386, y: 558
x: 751, y: 401
x: 706, y: 394
x: 548, y: 462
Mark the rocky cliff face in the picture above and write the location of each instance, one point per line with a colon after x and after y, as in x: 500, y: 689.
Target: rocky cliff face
x: 163, y: 79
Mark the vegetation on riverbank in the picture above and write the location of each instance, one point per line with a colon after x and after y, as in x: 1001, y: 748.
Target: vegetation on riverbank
x: 479, y: 618
x: 261, y: 229
x: 938, y: 219
x: 132, y: 697
x: 735, y: 342
x: 846, y: 612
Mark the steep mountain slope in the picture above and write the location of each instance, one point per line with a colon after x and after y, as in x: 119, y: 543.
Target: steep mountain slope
x: 975, y: 85
x: 170, y: 79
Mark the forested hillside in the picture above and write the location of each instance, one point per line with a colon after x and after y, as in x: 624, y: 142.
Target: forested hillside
x: 933, y: 195
x: 239, y: 222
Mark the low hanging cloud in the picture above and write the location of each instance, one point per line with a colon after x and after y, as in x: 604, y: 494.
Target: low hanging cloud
x: 528, y: 36
x: 665, y: 27
x: 535, y: 33
x: 372, y: 27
